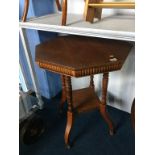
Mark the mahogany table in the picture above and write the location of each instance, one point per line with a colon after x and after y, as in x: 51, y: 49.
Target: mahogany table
x: 76, y: 56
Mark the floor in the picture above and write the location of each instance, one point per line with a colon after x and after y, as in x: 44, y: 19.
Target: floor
x: 90, y: 134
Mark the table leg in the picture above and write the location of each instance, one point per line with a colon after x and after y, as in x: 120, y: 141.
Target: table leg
x: 26, y: 7
x: 70, y: 110
x: 64, y: 12
x: 63, y: 97
x: 58, y: 5
x: 98, y: 11
x: 103, y: 104
x: 92, y: 81
x: 89, y: 12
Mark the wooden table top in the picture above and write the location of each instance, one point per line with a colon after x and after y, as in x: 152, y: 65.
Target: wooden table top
x: 80, y: 56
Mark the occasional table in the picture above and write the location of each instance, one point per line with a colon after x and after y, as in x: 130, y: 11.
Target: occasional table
x: 77, y: 56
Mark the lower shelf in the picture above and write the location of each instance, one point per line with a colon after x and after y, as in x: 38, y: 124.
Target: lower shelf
x: 85, y: 100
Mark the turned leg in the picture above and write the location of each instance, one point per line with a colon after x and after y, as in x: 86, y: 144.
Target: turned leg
x: 63, y: 97
x: 64, y: 12
x: 89, y: 12
x: 58, y: 5
x: 26, y: 6
x: 70, y: 110
x: 103, y: 104
x: 92, y: 81
x: 98, y: 11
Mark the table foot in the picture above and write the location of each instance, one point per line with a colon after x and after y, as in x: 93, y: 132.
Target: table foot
x: 111, y: 132
x: 107, y: 119
x: 68, y: 146
x: 68, y: 128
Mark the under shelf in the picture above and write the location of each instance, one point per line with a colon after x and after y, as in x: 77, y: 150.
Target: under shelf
x: 120, y: 27
x: 85, y: 100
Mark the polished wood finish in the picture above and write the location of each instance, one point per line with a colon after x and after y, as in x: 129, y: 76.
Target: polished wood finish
x: 93, y: 8
x: 69, y: 93
x: 89, y: 13
x: 26, y: 7
x: 63, y: 97
x: 98, y: 11
x: 58, y: 5
x: 104, y: 87
x: 80, y: 56
x: 85, y: 100
x: 92, y: 57
x: 68, y: 128
x: 64, y: 12
x: 119, y: 5
x: 103, y: 103
x: 70, y: 110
